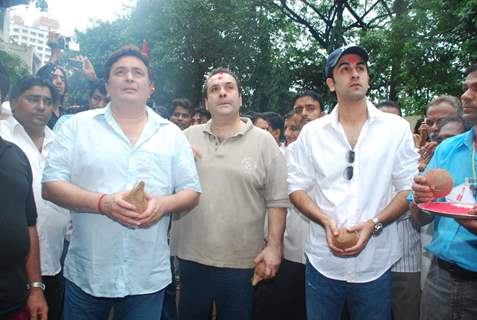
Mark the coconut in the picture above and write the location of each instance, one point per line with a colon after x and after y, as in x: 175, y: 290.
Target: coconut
x: 137, y: 197
x: 345, y: 239
x: 258, y: 273
x: 440, y: 182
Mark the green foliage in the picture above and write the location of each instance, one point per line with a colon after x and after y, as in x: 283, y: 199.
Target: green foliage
x: 418, y: 48
x: 16, y: 68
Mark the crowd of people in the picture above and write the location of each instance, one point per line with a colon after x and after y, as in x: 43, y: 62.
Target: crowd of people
x: 232, y: 196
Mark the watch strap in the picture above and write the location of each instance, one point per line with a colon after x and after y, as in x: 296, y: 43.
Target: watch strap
x: 36, y: 284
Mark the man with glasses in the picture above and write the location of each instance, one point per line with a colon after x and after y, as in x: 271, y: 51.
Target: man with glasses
x: 341, y: 174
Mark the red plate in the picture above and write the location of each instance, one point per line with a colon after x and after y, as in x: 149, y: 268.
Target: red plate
x: 448, y: 209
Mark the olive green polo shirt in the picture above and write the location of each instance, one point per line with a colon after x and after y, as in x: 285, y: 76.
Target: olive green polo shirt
x: 240, y: 177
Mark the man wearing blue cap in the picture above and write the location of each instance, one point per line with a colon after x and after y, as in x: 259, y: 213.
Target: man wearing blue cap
x: 341, y: 174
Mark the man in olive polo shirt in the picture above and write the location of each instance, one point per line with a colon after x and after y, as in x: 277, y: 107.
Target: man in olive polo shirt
x: 242, y: 173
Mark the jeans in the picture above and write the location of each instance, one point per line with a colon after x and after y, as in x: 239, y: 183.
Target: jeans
x: 447, y: 297
x: 326, y: 297
x: 230, y: 288
x: 82, y: 306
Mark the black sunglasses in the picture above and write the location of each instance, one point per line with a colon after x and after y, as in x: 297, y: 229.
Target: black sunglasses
x: 348, y: 172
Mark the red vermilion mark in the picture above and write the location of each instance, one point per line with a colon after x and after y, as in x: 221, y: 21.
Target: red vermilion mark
x: 220, y: 76
x: 353, y: 59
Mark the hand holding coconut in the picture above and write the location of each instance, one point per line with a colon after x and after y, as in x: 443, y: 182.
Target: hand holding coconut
x: 267, y: 263
x: 436, y: 183
x: 134, y: 208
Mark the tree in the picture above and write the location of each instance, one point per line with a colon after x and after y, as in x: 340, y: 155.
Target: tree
x: 16, y: 68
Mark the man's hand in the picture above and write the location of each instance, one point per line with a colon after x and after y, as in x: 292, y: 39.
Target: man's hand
x: 154, y: 211
x: 421, y: 190
x: 271, y: 256
x: 365, y: 231
x: 332, y: 232
x: 471, y: 225
x: 426, y: 152
x: 116, y: 208
x: 88, y: 68
x: 36, y: 304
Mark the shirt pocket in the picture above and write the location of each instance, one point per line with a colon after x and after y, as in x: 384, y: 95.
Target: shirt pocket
x: 155, y: 169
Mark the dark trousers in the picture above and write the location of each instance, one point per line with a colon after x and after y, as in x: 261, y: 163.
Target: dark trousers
x: 230, y: 288
x: 406, y: 295
x: 282, y: 297
x: 169, y: 309
x: 54, y: 292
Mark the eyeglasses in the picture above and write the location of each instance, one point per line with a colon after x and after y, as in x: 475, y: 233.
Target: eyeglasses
x: 348, y: 172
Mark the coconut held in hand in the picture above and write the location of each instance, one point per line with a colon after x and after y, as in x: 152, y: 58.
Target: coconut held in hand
x: 258, y: 273
x: 440, y: 182
x: 345, y: 239
x: 137, y: 197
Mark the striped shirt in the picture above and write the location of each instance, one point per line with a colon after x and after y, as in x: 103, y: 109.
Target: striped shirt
x: 410, y: 239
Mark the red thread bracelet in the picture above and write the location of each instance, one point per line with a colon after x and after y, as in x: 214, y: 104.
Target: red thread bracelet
x: 100, y: 210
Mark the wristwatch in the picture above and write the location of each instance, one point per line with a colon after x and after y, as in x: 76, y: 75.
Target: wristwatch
x: 36, y: 284
x: 378, y: 226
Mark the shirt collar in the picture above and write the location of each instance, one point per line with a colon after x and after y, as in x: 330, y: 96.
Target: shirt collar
x: 248, y: 126
x: 14, y: 125
x: 153, y: 118
x: 373, y: 114
x: 469, y: 138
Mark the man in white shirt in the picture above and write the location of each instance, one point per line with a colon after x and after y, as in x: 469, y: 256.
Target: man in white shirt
x: 32, y: 102
x: 340, y: 174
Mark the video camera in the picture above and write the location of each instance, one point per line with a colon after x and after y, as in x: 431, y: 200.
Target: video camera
x: 55, y: 40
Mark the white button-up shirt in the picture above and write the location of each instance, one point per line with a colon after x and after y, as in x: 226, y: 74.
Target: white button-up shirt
x: 52, y: 220
x: 384, y: 157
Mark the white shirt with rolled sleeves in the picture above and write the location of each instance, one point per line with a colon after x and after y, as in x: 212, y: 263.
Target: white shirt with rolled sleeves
x: 384, y: 157
x: 52, y: 220
x: 106, y: 258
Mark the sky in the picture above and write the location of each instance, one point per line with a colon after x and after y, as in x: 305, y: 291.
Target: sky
x: 78, y: 13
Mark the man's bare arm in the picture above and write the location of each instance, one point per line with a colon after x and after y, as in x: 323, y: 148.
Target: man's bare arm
x: 36, y: 303
x: 308, y: 207
x: 271, y: 255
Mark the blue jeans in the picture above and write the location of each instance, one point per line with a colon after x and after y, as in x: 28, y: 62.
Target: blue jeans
x: 326, y: 297
x: 82, y: 306
x: 230, y: 288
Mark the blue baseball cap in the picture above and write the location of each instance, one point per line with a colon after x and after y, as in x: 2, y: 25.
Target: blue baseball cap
x: 335, y: 56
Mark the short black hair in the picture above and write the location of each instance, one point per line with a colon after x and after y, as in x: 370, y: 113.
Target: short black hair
x: 470, y: 69
x: 99, y: 85
x: 4, y: 83
x: 184, y: 103
x: 127, y: 51
x: 274, y: 120
x: 29, y: 82
x: 312, y: 94
x: 390, y: 104
x: 289, y: 115
x: 203, y: 112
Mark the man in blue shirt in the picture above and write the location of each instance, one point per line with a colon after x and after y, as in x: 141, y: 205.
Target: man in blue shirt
x: 450, y: 291
x: 118, y: 256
